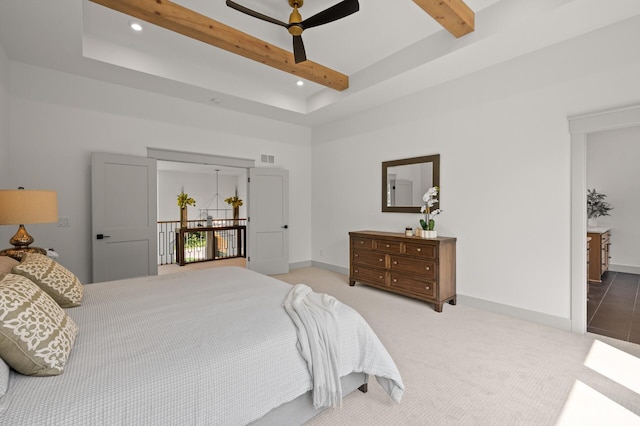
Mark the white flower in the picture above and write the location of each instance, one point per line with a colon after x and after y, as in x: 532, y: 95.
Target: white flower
x: 432, y: 192
x: 430, y: 200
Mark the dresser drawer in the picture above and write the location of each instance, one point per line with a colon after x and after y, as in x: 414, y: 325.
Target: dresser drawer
x: 424, y: 268
x: 369, y: 275
x: 364, y: 243
x: 370, y: 258
x: 422, y: 288
x: 388, y: 246
x: 425, y: 251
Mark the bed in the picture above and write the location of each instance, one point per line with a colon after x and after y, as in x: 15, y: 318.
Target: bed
x: 203, y: 347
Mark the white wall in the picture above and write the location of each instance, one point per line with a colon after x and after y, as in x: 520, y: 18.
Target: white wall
x: 58, y: 119
x: 613, y: 159
x: 202, y: 188
x: 4, y: 121
x: 505, y: 166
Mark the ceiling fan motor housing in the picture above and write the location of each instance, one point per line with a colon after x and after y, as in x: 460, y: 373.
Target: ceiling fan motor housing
x: 295, y: 18
x: 296, y: 25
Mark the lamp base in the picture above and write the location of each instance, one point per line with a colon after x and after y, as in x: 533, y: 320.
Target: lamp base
x: 18, y: 252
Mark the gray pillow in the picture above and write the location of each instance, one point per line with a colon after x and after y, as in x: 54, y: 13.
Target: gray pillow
x: 36, y: 335
x: 4, y: 377
x: 6, y: 264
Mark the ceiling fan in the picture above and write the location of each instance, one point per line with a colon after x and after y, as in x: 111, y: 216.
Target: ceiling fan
x: 296, y: 25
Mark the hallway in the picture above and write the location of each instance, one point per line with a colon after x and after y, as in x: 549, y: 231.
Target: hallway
x: 612, y: 308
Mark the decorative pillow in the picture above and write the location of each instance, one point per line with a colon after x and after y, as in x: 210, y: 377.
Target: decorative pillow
x: 56, y: 280
x: 4, y: 377
x: 6, y: 263
x: 36, y: 335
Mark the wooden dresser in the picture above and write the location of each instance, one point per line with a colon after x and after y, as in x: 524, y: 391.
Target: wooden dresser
x: 420, y: 268
x: 598, y: 252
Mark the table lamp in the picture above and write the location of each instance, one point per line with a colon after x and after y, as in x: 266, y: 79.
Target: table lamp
x: 20, y: 207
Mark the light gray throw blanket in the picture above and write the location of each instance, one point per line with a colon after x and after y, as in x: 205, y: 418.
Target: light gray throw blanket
x: 333, y: 349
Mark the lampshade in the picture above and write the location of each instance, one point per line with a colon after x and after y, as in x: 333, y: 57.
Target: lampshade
x: 22, y: 206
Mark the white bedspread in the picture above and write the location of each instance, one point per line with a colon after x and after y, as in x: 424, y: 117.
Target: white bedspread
x: 322, y: 342
x: 193, y: 348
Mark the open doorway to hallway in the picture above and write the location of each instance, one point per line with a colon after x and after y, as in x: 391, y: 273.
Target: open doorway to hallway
x: 223, y: 233
x: 614, y: 278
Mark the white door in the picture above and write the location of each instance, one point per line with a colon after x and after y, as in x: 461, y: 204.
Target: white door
x: 268, y: 221
x: 124, y: 209
x: 404, y: 193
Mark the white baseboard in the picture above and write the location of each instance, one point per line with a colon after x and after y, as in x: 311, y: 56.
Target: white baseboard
x: 330, y: 267
x: 486, y: 305
x: 512, y: 311
x: 625, y: 268
x: 299, y: 265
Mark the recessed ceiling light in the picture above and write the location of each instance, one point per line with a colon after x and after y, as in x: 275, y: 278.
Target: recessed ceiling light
x: 135, y: 26
x: 300, y: 83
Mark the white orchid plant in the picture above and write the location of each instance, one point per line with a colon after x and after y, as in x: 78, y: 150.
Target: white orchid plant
x: 429, y: 198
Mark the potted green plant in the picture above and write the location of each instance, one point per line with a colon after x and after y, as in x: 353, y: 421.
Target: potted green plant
x: 428, y: 224
x: 183, y: 201
x: 235, y: 202
x: 596, y: 207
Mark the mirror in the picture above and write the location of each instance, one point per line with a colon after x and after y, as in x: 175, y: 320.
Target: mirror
x: 405, y: 181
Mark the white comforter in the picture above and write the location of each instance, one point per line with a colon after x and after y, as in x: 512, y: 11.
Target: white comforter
x: 332, y: 348
x: 193, y: 348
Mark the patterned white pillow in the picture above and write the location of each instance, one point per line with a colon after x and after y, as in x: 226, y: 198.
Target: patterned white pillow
x: 56, y: 280
x: 36, y: 335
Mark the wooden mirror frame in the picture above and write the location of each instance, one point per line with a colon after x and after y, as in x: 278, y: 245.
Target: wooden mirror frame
x: 434, y: 159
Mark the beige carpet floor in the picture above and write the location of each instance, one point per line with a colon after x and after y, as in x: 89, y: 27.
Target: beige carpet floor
x: 466, y: 366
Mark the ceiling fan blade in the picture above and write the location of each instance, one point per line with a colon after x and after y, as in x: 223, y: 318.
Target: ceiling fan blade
x: 255, y: 14
x: 335, y: 12
x: 298, y: 49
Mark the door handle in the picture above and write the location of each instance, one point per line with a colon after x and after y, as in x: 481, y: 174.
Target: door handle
x: 101, y: 236
x: 285, y: 226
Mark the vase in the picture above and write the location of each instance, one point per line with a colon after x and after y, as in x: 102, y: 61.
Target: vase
x: 236, y: 216
x: 592, y: 222
x: 183, y: 217
x: 429, y: 234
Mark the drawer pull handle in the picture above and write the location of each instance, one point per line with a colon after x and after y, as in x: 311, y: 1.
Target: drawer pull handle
x: 395, y: 262
x: 361, y: 242
x: 395, y: 280
x: 380, y: 277
x: 426, y: 267
x: 356, y: 255
x: 388, y: 246
x: 356, y: 271
x: 418, y: 249
x: 427, y: 287
x: 380, y: 260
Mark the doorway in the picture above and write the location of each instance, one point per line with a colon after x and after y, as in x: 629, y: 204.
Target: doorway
x: 580, y: 127
x: 209, y: 186
x: 612, y: 158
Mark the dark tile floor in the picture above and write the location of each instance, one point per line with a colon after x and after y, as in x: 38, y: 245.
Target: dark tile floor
x: 613, y: 308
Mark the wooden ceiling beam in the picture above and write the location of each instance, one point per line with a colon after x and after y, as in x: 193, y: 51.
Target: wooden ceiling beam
x: 179, y: 19
x: 454, y: 15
